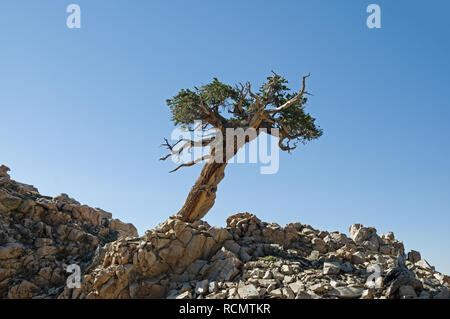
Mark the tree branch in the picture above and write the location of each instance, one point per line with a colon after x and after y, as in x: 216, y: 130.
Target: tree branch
x: 187, y: 145
x: 294, y: 100
x: 191, y: 163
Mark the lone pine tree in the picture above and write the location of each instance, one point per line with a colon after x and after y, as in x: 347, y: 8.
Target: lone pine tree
x: 220, y: 107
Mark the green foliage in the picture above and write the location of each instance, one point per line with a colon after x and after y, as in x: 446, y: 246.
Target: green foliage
x: 269, y: 258
x: 221, y: 105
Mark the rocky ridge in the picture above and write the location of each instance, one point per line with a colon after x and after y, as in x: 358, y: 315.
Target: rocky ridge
x: 247, y: 259
x: 40, y: 236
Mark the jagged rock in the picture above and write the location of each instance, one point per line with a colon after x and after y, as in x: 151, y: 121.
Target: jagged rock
x: 41, y: 235
x: 331, y: 268
x: 414, y: 256
x: 422, y: 263
x: 4, y: 172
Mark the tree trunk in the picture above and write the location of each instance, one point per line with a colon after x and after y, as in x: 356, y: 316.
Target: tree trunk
x: 203, y: 194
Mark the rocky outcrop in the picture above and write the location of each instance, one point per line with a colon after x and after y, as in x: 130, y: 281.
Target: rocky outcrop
x: 252, y: 259
x: 248, y: 258
x: 40, y: 236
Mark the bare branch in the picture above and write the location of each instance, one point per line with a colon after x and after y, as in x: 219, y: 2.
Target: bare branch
x: 255, y: 96
x: 200, y: 159
x: 294, y: 100
x: 188, y: 144
x: 243, y: 94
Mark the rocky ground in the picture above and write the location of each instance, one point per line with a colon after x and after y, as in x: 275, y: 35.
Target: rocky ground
x: 40, y: 236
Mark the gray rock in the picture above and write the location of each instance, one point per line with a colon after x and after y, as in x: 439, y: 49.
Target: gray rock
x: 347, y: 292
x: 331, y: 268
x: 248, y: 292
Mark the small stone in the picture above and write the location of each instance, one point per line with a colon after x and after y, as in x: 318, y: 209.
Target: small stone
x: 201, y: 287
x: 317, y: 287
x: 184, y: 295
x: 296, y: 286
x: 285, y: 269
x: 331, y: 268
x: 277, y: 293
x: 248, y: 292
x: 288, y: 293
x: 213, y: 287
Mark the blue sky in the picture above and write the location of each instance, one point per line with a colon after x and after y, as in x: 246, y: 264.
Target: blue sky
x: 83, y: 111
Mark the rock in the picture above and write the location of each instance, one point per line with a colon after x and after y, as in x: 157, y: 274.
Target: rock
x: 277, y: 293
x: 9, y: 202
x: 195, y: 247
x: 46, y: 251
x: 358, y: 233
x: 358, y: 258
x: 201, y: 287
x: 24, y: 290
x: 4, y: 172
x: 398, y: 277
x: 331, y: 268
x: 407, y: 292
x: 248, y: 292
x: 219, y: 234
x: 124, y: 229
x: 40, y: 236
x: 422, y: 263
x: 347, y: 267
x: 317, y: 288
x: 414, y: 256
x: 303, y: 295
x: 285, y: 269
x: 11, y: 250
x: 184, y: 295
x: 347, y: 292
x: 367, y: 294
x: 213, y: 287
x: 296, y: 287
x: 319, y: 245
x: 224, y: 267
x: 443, y: 294
x: 288, y: 293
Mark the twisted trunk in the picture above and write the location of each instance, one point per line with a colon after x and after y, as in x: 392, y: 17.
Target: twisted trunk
x: 203, y: 194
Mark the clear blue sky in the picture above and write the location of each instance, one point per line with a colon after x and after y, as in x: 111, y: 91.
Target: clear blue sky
x: 83, y: 111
